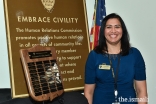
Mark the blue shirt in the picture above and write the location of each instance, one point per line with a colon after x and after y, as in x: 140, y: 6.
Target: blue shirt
x: 132, y: 67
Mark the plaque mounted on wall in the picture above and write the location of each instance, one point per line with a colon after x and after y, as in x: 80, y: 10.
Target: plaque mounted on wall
x: 52, y: 23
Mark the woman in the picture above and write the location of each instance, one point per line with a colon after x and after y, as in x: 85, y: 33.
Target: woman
x: 114, y: 67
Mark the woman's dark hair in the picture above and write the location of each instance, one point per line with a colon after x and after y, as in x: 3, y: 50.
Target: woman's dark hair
x: 102, y: 46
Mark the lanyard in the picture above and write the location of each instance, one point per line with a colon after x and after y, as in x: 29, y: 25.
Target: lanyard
x: 115, y: 76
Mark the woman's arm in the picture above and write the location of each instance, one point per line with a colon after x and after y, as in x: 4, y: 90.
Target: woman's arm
x: 88, y: 92
x: 141, y: 89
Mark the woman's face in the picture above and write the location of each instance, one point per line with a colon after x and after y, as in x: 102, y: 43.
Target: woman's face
x: 113, y: 31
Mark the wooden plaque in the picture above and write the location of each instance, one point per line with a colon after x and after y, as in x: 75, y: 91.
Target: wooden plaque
x: 42, y: 72
x: 61, y: 24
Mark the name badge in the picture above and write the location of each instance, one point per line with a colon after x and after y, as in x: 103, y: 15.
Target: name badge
x: 104, y: 66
